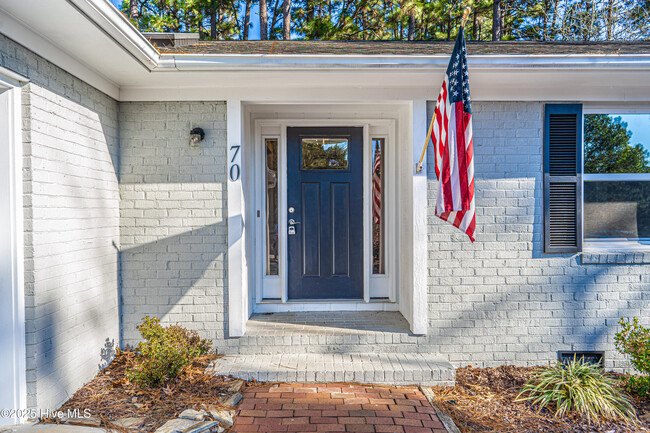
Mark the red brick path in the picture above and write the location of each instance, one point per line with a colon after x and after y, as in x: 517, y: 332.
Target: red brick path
x: 335, y: 407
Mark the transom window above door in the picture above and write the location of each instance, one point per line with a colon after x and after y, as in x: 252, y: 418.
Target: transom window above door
x: 616, y: 206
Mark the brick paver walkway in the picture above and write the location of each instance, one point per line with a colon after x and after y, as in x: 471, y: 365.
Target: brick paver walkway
x: 335, y: 407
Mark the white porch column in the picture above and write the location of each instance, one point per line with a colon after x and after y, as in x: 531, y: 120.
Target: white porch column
x: 419, y: 269
x: 238, y: 307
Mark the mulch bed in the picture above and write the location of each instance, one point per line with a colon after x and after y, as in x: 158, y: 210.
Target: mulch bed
x: 483, y: 401
x: 110, y: 396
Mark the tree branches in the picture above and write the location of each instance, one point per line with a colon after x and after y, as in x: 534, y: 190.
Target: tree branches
x: 545, y: 20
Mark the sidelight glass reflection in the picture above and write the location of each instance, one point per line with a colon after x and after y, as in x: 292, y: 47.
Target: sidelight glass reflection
x: 378, y: 213
x: 324, y: 154
x: 272, y: 249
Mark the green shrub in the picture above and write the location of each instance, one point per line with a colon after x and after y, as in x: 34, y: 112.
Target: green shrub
x: 164, y: 352
x: 578, y: 387
x: 634, y: 340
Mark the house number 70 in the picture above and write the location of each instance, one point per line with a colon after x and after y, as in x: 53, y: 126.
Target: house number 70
x: 235, y: 169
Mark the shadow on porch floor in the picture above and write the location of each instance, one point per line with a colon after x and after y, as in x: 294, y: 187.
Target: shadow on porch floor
x: 327, y: 323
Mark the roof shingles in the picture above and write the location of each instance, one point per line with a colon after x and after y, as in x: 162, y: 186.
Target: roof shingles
x: 406, y: 48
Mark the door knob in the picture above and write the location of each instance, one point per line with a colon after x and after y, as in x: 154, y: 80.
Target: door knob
x: 293, y: 222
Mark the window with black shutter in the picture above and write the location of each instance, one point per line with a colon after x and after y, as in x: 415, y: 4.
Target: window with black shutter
x: 562, y: 178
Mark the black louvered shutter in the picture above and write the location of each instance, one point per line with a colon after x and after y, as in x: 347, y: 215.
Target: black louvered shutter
x: 562, y: 178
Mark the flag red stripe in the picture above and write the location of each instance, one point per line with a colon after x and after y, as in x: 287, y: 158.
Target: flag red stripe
x: 460, y: 148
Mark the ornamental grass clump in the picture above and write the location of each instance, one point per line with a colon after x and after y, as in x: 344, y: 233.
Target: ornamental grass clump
x: 164, y: 352
x: 578, y: 388
x: 634, y: 340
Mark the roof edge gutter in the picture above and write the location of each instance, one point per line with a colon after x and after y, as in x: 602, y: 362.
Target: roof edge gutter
x: 207, y: 62
x: 114, y: 24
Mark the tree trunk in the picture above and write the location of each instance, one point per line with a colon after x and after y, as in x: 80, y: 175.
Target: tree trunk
x: 247, y: 19
x: 551, y: 31
x: 411, y: 34
x: 545, y: 21
x: 276, y: 13
x: 134, y: 14
x: 496, y: 21
x: 213, y: 22
x: 286, y: 24
x: 449, y: 26
x: 264, y: 21
x: 474, y: 24
x: 610, y: 20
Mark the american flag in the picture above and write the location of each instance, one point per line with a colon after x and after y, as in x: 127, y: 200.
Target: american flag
x: 376, y: 186
x: 452, y: 140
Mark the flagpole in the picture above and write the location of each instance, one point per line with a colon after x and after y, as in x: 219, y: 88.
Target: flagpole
x: 419, y: 166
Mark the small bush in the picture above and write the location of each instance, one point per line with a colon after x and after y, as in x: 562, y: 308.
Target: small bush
x: 164, y: 352
x: 634, y: 340
x: 578, y: 387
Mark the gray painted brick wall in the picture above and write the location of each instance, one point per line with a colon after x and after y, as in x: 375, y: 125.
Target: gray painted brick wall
x: 173, y: 216
x: 71, y: 200
x: 501, y: 299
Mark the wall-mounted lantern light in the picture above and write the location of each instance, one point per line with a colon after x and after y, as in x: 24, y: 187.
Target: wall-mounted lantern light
x: 196, y: 137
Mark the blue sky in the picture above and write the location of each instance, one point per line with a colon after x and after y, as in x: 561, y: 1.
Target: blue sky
x: 639, y: 124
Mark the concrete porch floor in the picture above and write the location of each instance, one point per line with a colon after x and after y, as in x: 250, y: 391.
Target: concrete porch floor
x: 364, y: 347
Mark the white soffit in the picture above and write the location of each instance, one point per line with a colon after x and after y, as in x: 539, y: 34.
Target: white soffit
x: 67, y: 33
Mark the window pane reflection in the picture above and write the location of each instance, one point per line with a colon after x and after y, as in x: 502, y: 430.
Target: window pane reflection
x: 378, y: 214
x: 324, y: 154
x: 271, y: 145
x: 617, y: 143
x: 617, y: 210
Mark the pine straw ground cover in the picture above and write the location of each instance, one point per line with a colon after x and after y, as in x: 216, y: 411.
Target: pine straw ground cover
x: 110, y: 396
x: 483, y: 400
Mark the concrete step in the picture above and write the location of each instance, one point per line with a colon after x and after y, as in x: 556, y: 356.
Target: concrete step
x: 375, y: 368
x: 331, y: 332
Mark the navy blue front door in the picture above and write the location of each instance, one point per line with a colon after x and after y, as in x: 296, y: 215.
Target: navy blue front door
x: 325, y: 192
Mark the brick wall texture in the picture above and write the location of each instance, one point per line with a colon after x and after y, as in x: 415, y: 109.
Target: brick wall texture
x: 71, y: 200
x: 173, y: 216
x: 499, y: 300
x: 502, y: 300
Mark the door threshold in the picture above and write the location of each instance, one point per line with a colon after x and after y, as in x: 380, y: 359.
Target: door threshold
x: 293, y: 306
x: 326, y: 301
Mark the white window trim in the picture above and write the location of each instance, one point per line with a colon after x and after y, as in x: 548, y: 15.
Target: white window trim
x: 11, y: 137
x: 622, y: 245
x: 367, y: 303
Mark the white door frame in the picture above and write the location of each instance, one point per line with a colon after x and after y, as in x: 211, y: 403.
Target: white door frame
x: 12, y: 299
x: 372, y: 128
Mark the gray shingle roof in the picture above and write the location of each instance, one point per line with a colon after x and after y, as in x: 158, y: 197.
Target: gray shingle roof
x: 405, y: 48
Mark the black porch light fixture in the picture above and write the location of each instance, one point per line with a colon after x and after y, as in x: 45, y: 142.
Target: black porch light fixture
x: 196, y: 136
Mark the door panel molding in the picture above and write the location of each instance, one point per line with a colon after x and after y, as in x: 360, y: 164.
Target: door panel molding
x: 317, y: 248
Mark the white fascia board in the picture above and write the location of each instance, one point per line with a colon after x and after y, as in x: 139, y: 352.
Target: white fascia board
x: 190, y: 62
x: 25, y: 36
x: 108, y: 18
